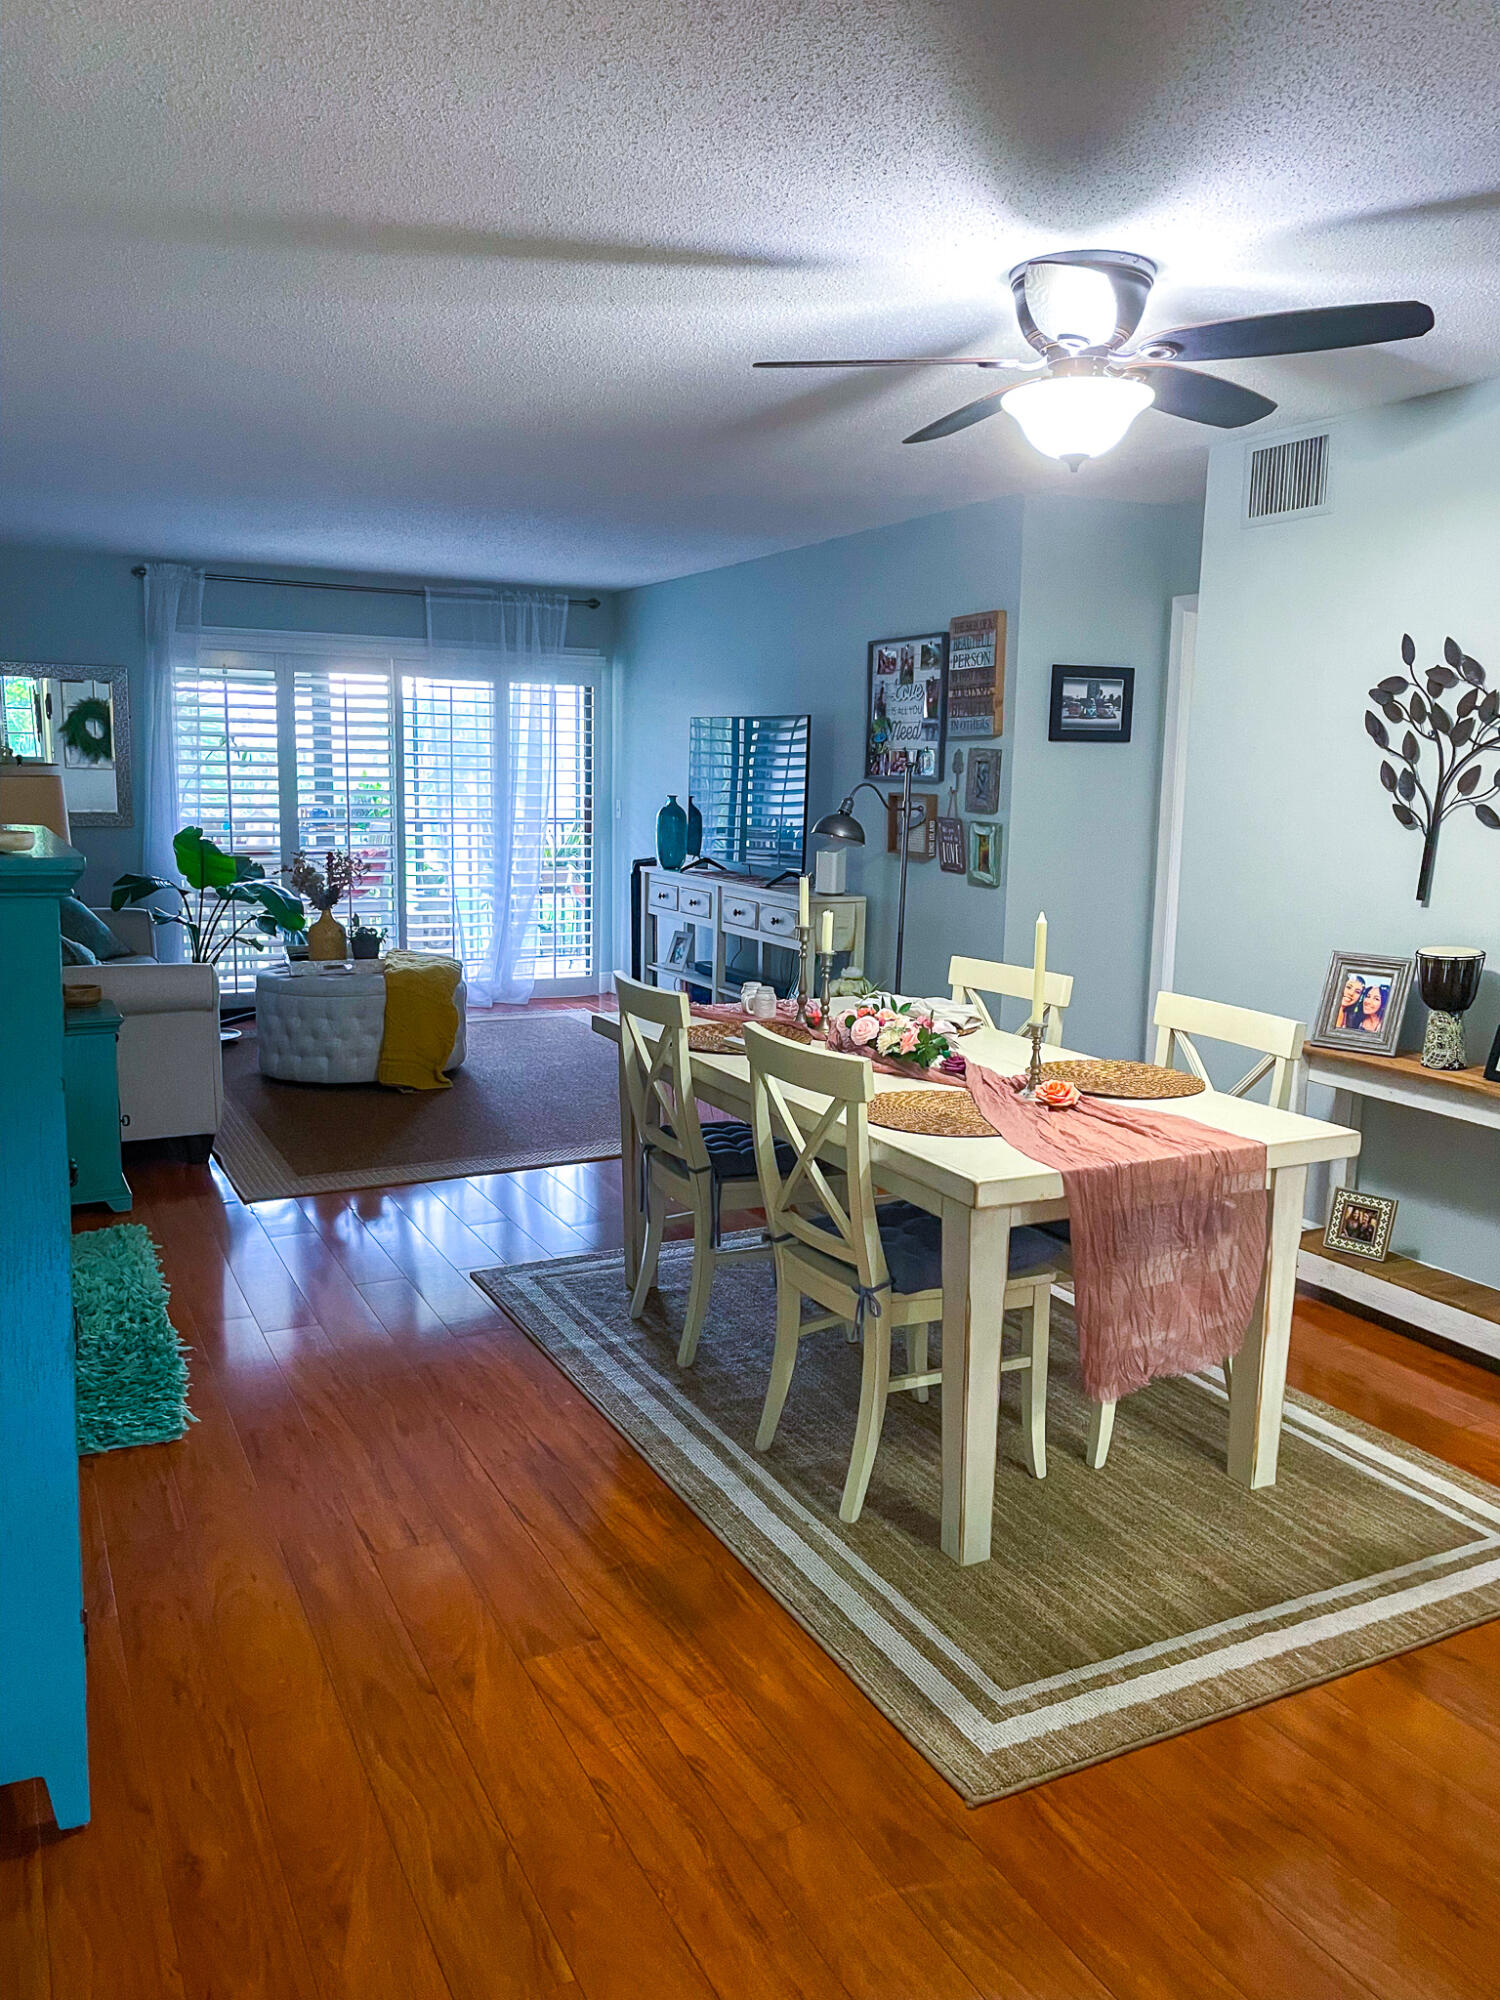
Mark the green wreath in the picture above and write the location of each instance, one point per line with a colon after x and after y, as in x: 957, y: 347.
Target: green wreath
x: 87, y: 729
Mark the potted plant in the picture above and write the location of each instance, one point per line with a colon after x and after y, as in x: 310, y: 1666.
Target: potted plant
x: 322, y: 887
x: 365, y: 940
x: 227, y: 900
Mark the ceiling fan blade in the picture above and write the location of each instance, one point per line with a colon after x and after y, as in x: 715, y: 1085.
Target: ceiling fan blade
x: 1204, y: 399
x: 1306, y: 332
x: 910, y: 361
x: 959, y: 420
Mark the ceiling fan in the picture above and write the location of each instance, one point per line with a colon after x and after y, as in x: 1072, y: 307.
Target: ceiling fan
x: 1078, y: 308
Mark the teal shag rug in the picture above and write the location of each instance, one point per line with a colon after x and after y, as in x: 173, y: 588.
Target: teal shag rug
x: 130, y: 1369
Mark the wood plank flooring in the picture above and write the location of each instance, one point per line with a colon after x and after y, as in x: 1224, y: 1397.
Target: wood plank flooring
x: 410, y: 1681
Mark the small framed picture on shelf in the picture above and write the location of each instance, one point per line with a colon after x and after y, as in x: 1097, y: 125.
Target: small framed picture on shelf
x: 678, y: 949
x: 1091, y: 704
x: 1364, y: 998
x: 984, y: 853
x: 1360, y: 1224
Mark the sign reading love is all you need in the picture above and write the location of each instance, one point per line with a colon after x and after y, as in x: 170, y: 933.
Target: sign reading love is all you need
x: 908, y: 703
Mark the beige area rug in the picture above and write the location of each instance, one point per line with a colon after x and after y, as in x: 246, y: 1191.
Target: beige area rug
x: 536, y: 1089
x: 1120, y: 1606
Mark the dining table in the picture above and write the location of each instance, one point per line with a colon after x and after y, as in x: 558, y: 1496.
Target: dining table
x: 982, y: 1188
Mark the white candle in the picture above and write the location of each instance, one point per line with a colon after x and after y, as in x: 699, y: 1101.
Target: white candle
x: 825, y: 934
x: 802, y: 917
x: 1039, y: 973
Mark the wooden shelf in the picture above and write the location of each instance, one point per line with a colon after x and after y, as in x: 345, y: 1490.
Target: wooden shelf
x: 1472, y: 1079
x: 1417, y: 1295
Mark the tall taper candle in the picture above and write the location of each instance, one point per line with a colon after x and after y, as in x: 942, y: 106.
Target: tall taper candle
x: 1039, y: 973
x: 802, y: 917
x: 825, y: 934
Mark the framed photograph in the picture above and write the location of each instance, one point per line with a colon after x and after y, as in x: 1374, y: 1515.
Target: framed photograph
x: 984, y: 853
x: 921, y: 840
x: 1091, y: 704
x: 976, y: 674
x: 678, y: 949
x: 1360, y: 1224
x: 908, y: 706
x: 1364, y: 998
x: 982, y: 785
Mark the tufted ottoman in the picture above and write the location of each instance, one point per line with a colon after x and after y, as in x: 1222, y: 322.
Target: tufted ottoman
x: 326, y: 1027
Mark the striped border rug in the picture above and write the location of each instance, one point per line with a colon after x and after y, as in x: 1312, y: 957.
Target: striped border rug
x: 1120, y: 1606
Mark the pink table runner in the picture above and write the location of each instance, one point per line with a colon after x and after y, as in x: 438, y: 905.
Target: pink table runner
x: 1168, y: 1221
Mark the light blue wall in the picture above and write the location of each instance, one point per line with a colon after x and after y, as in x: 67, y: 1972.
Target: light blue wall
x: 70, y: 605
x: 1079, y: 580
x: 1291, y: 850
x: 1097, y: 582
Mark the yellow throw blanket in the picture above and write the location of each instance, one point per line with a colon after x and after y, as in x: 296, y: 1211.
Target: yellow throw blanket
x: 421, y: 1020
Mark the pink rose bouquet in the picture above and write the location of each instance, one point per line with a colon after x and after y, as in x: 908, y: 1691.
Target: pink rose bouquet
x: 903, y: 1033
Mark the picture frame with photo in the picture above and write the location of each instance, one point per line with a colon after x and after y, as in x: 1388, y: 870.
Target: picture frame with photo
x: 1091, y: 704
x: 1359, y: 1224
x: 1364, y: 1001
x: 985, y: 836
x: 921, y: 838
x: 982, y: 782
x: 677, y: 951
x: 906, y: 719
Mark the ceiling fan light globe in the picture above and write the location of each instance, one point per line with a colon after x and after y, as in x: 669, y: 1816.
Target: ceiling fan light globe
x: 1072, y: 304
x: 1073, y: 417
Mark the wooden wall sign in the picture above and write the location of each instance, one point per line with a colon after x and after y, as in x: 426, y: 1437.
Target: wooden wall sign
x: 921, y: 841
x: 952, y: 842
x: 976, y: 674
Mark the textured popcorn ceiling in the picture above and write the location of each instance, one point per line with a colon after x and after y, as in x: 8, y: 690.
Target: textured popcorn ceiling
x: 473, y: 289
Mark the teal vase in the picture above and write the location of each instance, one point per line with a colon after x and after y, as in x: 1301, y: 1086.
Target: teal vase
x: 694, y: 829
x: 671, y: 834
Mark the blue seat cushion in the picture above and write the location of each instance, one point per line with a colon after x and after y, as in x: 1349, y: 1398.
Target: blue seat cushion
x: 912, y: 1239
x: 731, y: 1150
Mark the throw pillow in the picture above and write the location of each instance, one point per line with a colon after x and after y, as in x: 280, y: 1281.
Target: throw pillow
x: 74, y: 953
x: 79, y: 923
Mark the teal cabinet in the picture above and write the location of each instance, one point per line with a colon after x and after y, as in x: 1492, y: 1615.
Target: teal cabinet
x: 43, y: 1731
x: 92, y: 1089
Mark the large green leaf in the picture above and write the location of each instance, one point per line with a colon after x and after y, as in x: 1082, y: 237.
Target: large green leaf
x: 285, y: 911
x: 203, y: 862
x: 136, y: 889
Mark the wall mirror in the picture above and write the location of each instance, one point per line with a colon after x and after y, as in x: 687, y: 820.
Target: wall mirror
x: 78, y: 718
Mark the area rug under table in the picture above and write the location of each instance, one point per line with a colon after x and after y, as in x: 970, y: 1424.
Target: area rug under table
x: 535, y: 1089
x: 1119, y: 1606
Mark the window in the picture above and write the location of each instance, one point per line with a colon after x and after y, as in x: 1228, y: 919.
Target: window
x: 281, y: 751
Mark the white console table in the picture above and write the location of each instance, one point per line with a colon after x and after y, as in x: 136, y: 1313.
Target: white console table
x: 738, y: 922
x: 1436, y: 1301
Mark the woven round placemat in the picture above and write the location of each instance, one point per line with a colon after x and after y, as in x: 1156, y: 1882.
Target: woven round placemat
x: 939, y: 1114
x: 792, y: 1031
x: 1124, y: 1079
x: 710, y: 1038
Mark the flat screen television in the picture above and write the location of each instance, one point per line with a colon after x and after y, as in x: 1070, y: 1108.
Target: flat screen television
x: 747, y: 775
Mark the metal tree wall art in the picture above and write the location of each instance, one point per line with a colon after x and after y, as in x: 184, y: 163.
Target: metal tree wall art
x: 1462, y: 728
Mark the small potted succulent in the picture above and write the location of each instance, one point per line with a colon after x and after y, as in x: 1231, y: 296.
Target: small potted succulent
x: 365, y: 940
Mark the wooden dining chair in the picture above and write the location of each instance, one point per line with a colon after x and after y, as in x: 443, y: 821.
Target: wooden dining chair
x: 701, y: 1168
x: 1276, y: 1041
x: 971, y: 978
x: 877, y: 1268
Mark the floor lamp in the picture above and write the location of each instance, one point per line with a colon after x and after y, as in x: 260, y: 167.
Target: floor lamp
x: 843, y: 827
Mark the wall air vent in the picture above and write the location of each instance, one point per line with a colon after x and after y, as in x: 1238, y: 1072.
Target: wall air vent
x: 1285, y: 479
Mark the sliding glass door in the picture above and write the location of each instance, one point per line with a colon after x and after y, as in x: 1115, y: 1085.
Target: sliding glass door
x: 283, y: 751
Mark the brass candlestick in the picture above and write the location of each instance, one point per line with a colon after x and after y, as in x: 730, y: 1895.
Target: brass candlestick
x: 1035, y: 1030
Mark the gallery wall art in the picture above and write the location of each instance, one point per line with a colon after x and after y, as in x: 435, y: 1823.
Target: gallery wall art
x: 907, y: 713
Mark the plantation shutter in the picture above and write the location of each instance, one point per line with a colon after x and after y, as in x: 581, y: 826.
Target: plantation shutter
x: 346, y: 781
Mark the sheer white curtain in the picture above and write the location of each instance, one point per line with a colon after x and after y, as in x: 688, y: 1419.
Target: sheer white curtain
x: 523, y: 631
x: 174, y: 624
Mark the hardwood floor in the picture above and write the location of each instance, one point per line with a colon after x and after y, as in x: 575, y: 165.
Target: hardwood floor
x: 410, y: 1680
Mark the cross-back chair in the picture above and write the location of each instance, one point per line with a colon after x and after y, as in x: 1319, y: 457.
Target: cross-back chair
x: 702, y: 1168
x: 971, y: 978
x: 879, y: 1268
x: 1273, y: 1038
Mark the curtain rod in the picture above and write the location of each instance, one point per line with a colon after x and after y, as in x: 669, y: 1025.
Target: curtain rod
x: 305, y: 583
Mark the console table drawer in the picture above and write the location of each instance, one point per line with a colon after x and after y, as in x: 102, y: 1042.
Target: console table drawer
x: 662, y: 896
x: 741, y: 910
x: 696, y: 902
x: 777, y: 922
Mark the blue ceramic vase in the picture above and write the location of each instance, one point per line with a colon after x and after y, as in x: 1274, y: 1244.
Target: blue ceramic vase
x: 694, y: 830
x: 671, y: 834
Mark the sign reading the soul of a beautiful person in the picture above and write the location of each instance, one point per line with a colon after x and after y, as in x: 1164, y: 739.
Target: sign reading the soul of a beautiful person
x: 908, y: 706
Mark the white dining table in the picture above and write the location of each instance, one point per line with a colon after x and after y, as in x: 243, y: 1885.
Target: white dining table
x: 982, y: 1189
